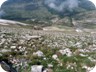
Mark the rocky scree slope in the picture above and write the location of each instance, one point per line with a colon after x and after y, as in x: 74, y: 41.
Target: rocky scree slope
x: 57, y: 51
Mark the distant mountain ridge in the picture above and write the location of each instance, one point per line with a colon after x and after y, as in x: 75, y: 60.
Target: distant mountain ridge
x: 24, y: 10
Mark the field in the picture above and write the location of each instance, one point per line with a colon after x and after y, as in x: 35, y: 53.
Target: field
x: 64, y: 51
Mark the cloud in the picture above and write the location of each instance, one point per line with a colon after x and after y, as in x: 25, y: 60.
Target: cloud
x: 61, y: 5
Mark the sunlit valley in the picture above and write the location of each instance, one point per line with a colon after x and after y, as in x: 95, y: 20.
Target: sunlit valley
x: 47, y: 36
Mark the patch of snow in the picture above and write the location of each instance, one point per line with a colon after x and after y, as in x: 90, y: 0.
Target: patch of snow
x: 8, y: 22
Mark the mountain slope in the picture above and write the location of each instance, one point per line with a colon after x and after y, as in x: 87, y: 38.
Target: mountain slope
x: 42, y: 11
